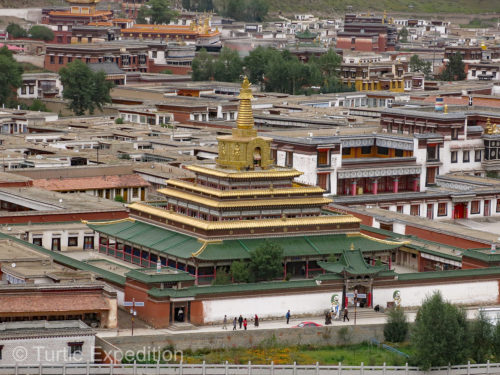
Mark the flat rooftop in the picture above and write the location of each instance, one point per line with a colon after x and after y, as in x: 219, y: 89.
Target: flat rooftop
x: 12, y: 251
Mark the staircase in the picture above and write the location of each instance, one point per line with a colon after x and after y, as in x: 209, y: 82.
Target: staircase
x: 181, y: 327
x: 362, y: 313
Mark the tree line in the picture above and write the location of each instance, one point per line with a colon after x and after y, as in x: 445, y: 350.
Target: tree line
x: 273, y: 70
x: 37, y: 32
x: 442, y: 335
x: 240, y: 10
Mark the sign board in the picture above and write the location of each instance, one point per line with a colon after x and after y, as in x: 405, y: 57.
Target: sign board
x: 360, y: 295
x: 130, y: 304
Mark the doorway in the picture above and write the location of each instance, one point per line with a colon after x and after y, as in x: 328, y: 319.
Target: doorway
x: 459, y: 211
x: 180, y: 314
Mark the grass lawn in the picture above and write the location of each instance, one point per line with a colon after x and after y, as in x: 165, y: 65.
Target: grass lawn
x: 370, y: 355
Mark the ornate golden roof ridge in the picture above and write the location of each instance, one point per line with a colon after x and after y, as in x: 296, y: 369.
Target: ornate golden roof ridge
x: 271, y: 173
x: 300, y: 201
x: 244, y: 224
x: 244, y: 192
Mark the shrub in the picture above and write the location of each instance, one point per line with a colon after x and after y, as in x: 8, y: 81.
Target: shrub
x: 396, y: 328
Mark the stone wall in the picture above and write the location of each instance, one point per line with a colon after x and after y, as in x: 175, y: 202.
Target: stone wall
x: 327, y: 335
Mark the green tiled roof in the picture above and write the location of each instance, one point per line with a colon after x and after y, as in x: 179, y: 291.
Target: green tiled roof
x: 183, y: 246
x: 247, y: 287
x: 482, y: 254
x: 166, y: 275
x: 449, y: 274
x: 352, y: 262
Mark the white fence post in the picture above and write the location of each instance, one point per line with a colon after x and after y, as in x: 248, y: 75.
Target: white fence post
x: 317, y: 368
x: 203, y: 368
x: 111, y: 367
x: 158, y: 367
x: 294, y: 368
x: 16, y: 369
x: 180, y: 368
x: 468, y: 367
x: 272, y: 367
x: 340, y: 368
x: 227, y: 368
x: 361, y: 370
x: 249, y: 367
x: 40, y: 371
x: 134, y: 368
x: 384, y: 370
x: 488, y: 366
x: 64, y: 369
x: 406, y: 368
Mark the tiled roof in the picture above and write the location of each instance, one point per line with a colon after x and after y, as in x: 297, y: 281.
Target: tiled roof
x: 184, y: 246
x: 89, y: 183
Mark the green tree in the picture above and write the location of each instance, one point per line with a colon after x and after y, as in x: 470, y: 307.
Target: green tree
x: 418, y: 65
x: 16, y: 31
x: 255, y: 63
x: 481, y: 338
x: 266, y: 261
x: 235, y: 9
x: 202, y: 66
x: 39, y: 32
x: 228, y: 67
x: 329, y: 63
x: 142, y: 15
x: 403, y: 35
x: 396, y: 328
x: 496, y: 340
x: 119, y: 198
x: 10, y: 76
x: 160, y: 11
x: 38, y: 105
x: 240, y: 272
x: 222, y: 277
x: 439, y: 334
x: 455, y: 69
x: 256, y: 10
x: 85, y: 89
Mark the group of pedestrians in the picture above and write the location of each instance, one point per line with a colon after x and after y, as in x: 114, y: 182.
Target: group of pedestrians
x: 241, y: 322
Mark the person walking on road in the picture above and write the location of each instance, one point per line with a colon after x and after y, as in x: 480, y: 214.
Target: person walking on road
x: 235, y: 321
x: 346, y: 314
x: 245, y: 323
x: 224, y: 323
x: 287, y: 316
x: 256, y: 321
x: 240, y: 320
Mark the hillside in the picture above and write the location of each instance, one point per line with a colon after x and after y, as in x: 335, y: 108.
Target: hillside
x: 411, y: 6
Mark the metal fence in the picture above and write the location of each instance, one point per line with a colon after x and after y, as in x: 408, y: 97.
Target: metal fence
x: 247, y: 369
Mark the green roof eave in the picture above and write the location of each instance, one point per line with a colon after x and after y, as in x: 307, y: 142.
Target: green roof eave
x: 230, y: 288
x: 161, y: 277
x: 449, y: 274
x: 485, y: 257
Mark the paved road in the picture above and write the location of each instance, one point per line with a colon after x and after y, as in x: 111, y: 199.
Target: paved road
x: 263, y: 324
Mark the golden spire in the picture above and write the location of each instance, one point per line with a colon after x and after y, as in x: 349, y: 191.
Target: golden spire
x: 245, y: 115
x: 352, y: 246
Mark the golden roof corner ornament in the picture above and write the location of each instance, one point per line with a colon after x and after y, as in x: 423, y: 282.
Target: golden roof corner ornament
x: 352, y: 246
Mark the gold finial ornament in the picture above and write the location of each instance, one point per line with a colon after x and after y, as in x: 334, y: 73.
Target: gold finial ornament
x: 244, y: 149
x: 245, y: 116
x: 446, y: 109
x: 352, y: 246
x: 489, y: 128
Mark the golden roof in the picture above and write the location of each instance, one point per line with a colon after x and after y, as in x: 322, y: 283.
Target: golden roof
x: 244, y: 192
x: 244, y: 224
x: 247, y: 175
x: 316, y: 201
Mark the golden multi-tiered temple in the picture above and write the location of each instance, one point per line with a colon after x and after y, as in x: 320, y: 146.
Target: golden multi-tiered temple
x: 244, y: 192
x: 81, y: 12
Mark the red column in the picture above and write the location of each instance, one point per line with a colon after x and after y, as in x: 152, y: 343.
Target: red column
x: 395, y: 188
x: 375, y: 186
x: 390, y: 261
x: 196, y: 275
x: 415, y: 183
x: 307, y: 268
x: 368, y: 300
x: 284, y: 271
x: 346, y: 300
x: 353, y: 187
